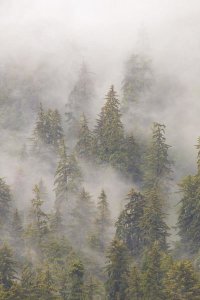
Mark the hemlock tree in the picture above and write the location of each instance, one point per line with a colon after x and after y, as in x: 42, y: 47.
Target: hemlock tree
x: 182, y: 282
x: 109, y: 132
x: 76, y: 282
x: 137, y: 80
x: 7, y: 267
x: 189, y: 213
x: 79, y: 100
x: 38, y: 227
x: 158, y: 166
x: 128, y: 226
x: 153, y: 224
x: 134, y: 290
x: 5, y: 203
x: 117, y: 270
x: 83, y: 219
x: 85, y: 141
x: 48, y: 131
x: 67, y: 177
x: 102, y: 222
x: 152, y: 277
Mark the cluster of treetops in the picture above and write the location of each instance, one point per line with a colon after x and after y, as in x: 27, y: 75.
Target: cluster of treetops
x: 76, y: 251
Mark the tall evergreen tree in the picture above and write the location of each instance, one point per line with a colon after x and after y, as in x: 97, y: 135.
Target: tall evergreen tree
x: 102, y: 222
x: 134, y: 290
x: 153, y: 274
x: 153, y: 223
x: 38, y: 227
x: 128, y: 226
x: 7, y: 267
x: 158, y: 166
x: 5, y: 203
x: 48, y: 131
x: 109, y: 132
x: 137, y: 79
x: 67, y: 176
x: 79, y: 100
x: 182, y: 282
x: 76, y: 282
x: 117, y: 270
x: 189, y: 213
x: 83, y: 219
x: 85, y: 141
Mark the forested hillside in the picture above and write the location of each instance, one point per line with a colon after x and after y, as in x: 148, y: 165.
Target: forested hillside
x: 99, y: 187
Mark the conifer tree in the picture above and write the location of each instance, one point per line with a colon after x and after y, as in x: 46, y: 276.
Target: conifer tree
x: 189, y: 212
x: 5, y: 203
x: 67, y: 176
x: 134, y: 290
x: 137, y: 79
x: 102, y: 222
x: 7, y: 267
x: 79, y: 100
x: 17, y: 229
x: 28, y: 282
x: 45, y: 288
x: 158, y: 166
x: 182, y: 282
x: 83, y: 218
x: 109, y: 132
x: 84, y: 144
x: 117, y: 270
x: 76, y: 283
x: 48, y: 131
x: 128, y: 226
x: 153, y: 223
x: 38, y: 228
x: 153, y: 288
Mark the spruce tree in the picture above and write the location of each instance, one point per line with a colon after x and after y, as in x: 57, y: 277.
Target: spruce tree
x: 158, y: 166
x: 137, y: 79
x: 153, y: 288
x: 153, y: 222
x: 102, y: 222
x: 189, y: 212
x: 83, y: 219
x: 79, y: 100
x: 76, y: 282
x: 67, y: 176
x: 134, y: 290
x: 5, y: 203
x: 7, y: 267
x: 117, y: 270
x: 85, y: 141
x: 128, y: 226
x: 182, y: 282
x: 109, y: 132
x: 38, y: 227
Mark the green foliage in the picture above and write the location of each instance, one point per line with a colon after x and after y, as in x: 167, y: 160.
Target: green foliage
x: 189, y: 212
x: 84, y: 144
x: 7, y: 267
x: 102, y: 223
x: 79, y: 100
x: 117, y: 270
x: 48, y: 131
x: 5, y: 203
x: 83, y: 219
x: 134, y: 290
x: 182, y: 282
x: 128, y: 226
x: 157, y: 168
x: 109, y: 131
x: 137, y: 79
x: 153, y: 224
x: 153, y: 274
x: 67, y: 176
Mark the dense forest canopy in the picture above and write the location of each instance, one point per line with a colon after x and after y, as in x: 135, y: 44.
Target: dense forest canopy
x: 99, y: 175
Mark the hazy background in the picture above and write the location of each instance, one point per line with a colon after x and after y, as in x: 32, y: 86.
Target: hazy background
x: 45, y: 42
